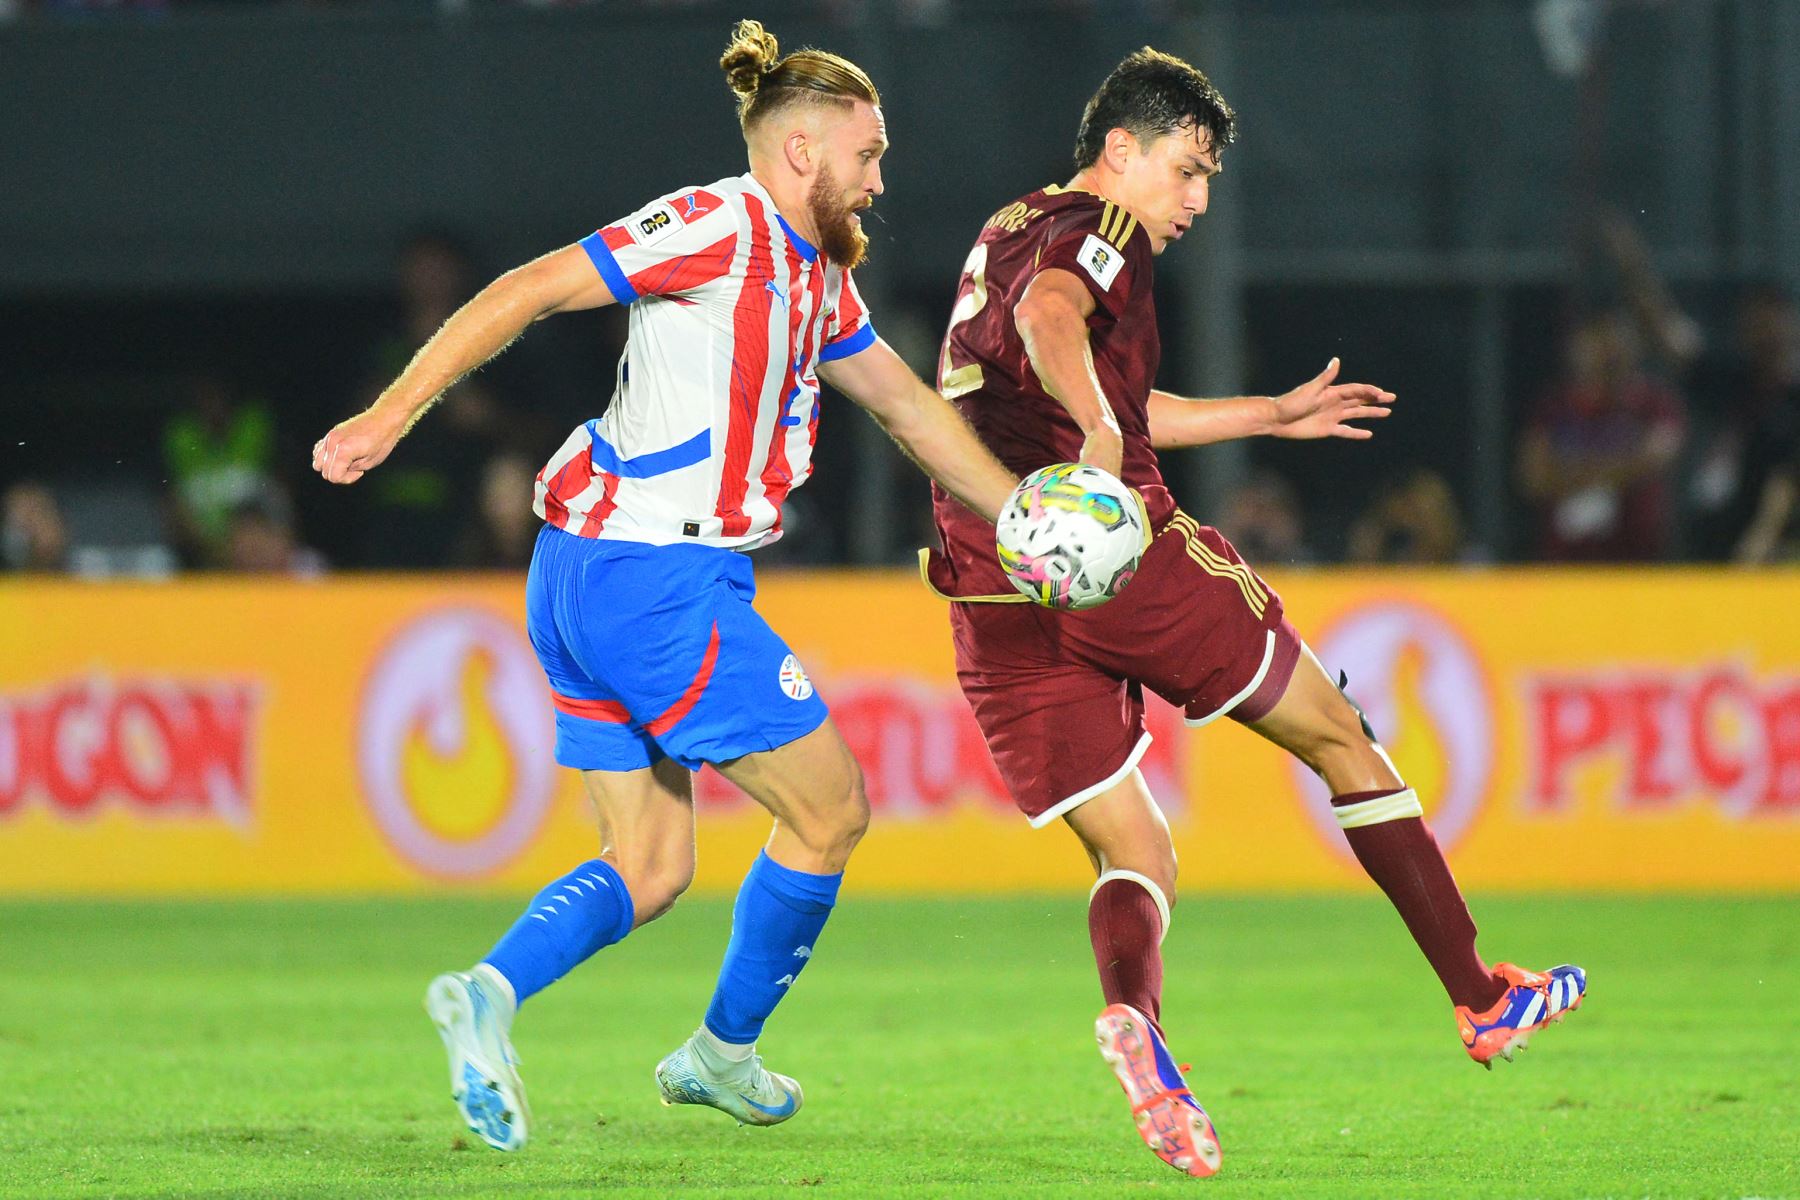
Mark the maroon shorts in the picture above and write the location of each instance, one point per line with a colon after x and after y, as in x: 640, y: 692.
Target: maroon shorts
x: 1059, y: 695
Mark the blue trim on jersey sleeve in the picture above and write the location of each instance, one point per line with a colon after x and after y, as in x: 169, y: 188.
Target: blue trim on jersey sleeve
x: 856, y: 343
x: 807, y: 250
x: 647, y: 466
x: 602, y: 257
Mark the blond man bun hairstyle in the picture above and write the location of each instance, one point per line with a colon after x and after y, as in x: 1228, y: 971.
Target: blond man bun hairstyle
x: 766, y: 83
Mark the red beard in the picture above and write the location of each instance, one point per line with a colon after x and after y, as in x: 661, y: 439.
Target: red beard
x: 841, y: 238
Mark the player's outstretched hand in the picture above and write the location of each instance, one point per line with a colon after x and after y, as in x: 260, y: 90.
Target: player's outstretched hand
x: 357, y: 446
x: 1320, y: 408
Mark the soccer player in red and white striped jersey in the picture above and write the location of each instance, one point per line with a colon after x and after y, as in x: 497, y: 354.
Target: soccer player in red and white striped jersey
x: 637, y: 604
x: 733, y: 311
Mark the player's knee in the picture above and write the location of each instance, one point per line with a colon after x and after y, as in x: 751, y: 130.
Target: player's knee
x: 658, y: 888
x: 656, y: 877
x: 851, y: 816
x: 1162, y: 872
x: 833, y: 827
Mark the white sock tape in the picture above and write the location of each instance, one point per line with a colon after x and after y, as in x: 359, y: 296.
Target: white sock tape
x: 1396, y: 807
x: 1148, y: 884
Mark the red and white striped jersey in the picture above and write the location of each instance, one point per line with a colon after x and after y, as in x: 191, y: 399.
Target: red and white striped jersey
x: 716, y: 406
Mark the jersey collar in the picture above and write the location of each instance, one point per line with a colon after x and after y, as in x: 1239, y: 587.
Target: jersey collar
x: 807, y: 250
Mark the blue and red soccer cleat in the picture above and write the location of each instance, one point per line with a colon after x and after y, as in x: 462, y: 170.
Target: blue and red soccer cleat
x: 1533, y: 1001
x: 1169, y: 1119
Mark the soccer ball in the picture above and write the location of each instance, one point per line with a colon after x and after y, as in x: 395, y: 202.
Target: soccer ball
x: 1070, y: 536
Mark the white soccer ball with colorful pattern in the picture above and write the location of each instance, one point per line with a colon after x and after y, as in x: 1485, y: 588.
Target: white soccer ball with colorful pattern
x: 1070, y: 536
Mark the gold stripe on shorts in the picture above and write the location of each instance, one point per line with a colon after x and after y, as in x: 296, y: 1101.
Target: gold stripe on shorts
x: 1216, y: 564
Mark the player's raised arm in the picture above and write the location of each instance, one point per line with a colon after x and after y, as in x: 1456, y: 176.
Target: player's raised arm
x: 562, y: 281
x: 1052, y: 318
x: 1317, y: 408
x: 926, y: 426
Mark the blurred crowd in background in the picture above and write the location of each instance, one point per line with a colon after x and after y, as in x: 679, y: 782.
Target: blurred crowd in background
x: 1658, y: 438
x: 199, y: 289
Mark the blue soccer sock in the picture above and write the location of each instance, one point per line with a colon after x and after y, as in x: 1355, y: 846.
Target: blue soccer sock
x: 774, y: 926
x: 567, y: 922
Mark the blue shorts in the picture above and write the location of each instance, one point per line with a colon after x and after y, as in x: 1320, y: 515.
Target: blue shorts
x: 655, y: 651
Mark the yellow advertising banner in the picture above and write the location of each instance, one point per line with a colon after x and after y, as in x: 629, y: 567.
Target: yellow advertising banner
x: 1576, y: 730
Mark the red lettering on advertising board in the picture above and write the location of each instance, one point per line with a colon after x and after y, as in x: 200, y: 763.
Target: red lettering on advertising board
x: 1677, y: 735
x: 154, y: 746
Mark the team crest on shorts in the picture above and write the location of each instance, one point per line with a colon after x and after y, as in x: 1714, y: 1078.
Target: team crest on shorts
x: 793, y: 679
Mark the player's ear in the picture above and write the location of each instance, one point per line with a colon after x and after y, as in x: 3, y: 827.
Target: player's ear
x: 1121, y: 144
x: 801, y: 149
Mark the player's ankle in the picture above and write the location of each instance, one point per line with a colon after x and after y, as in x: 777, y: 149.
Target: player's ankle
x: 719, y: 1056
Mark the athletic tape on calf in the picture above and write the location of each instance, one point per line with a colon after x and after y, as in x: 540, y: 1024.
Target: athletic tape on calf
x: 1148, y: 884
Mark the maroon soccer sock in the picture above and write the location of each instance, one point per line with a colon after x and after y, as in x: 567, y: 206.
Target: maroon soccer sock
x: 1403, y: 858
x: 1125, y: 924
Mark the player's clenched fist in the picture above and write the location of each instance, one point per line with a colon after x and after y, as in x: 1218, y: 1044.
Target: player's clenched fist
x: 356, y: 446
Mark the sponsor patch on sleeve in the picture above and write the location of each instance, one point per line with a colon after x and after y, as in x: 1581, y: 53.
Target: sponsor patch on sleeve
x: 1101, y: 260
x: 654, y: 224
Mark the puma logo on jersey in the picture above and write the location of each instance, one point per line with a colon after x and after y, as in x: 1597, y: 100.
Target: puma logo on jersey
x: 780, y: 295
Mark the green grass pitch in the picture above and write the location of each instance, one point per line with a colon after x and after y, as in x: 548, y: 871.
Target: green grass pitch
x: 268, y: 1049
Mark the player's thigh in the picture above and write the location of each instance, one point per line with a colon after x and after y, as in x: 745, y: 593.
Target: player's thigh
x: 813, y: 788
x: 646, y: 819
x: 1198, y: 626
x: 736, y: 689
x: 1316, y: 723
x: 1060, y: 730
x: 1123, y: 829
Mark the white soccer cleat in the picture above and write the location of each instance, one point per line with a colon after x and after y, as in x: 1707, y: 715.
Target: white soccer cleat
x: 746, y: 1090
x: 474, y: 1017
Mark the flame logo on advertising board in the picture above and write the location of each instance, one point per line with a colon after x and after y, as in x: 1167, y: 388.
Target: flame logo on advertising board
x: 1430, y: 703
x: 454, y: 743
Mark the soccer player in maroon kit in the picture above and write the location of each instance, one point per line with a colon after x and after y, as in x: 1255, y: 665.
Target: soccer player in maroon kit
x: 1051, y: 354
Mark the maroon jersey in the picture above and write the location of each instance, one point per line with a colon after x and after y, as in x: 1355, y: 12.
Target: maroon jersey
x: 985, y: 370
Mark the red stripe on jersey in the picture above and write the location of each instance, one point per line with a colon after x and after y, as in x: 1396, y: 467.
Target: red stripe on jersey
x: 777, y: 477
x: 691, y: 697
x: 615, y: 238
x: 849, y: 316
x: 812, y: 418
x: 610, y: 711
x: 688, y: 271
x: 604, y: 509
x: 749, y: 366
x: 567, y: 484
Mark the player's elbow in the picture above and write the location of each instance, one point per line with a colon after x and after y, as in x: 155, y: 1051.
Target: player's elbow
x: 1031, y: 314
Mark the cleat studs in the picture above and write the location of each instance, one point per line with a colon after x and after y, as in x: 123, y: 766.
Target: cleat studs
x: 1183, y: 1163
x: 1154, y: 1141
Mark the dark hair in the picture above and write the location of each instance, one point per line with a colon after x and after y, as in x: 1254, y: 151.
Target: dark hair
x: 765, y: 83
x: 1151, y: 94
